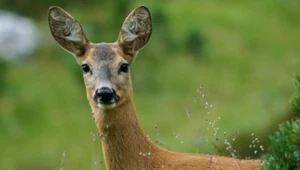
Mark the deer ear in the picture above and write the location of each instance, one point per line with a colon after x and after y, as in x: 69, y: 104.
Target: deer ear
x: 136, y: 30
x: 67, y: 31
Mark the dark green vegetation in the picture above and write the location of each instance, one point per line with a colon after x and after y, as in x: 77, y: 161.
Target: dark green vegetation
x: 247, y: 53
x: 295, y: 101
x: 284, y: 153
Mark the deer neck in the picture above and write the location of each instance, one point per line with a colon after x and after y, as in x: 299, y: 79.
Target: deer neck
x: 124, y: 144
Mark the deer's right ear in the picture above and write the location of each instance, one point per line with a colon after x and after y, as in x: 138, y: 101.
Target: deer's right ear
x: 67, y: 31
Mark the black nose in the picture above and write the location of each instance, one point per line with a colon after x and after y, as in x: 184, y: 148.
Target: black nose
x: 104, y: 95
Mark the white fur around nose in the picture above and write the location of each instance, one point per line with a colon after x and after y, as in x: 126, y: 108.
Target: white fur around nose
x: 105, y: 85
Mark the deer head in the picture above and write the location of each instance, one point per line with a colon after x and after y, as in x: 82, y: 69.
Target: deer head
x: 105, y: 65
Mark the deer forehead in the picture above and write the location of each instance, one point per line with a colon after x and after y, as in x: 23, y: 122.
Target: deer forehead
x: 104, y: 53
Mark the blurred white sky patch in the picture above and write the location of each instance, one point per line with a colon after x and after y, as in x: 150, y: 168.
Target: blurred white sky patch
x: 19, y: 36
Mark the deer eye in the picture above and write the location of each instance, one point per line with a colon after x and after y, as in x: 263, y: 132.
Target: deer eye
x: 124, y: 68
x: 85, y: 68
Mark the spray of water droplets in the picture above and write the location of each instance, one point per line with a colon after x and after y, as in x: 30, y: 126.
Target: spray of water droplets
x: 211, y: 126
x: 254, y: 145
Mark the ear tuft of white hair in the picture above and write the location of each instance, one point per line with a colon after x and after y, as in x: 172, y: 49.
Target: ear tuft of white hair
x: 136, y: 30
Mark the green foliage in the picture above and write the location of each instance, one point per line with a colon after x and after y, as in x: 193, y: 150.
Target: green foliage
x: 161, y: 30
x: 295, y: 102
x: 195, y: 42
x: 44, y: 110
x: 284, y: 153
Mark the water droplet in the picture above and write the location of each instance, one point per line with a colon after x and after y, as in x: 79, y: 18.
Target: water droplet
x: 187, y: 113
x: 103, y: 137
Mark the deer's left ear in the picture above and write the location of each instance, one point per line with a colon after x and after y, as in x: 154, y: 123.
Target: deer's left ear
x: 136, y: 30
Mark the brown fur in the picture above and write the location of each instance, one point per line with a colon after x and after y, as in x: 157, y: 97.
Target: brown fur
x: 125, y: 146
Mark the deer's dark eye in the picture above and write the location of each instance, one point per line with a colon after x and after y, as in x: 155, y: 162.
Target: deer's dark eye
x: 124, y: 68
x: 85, y: 68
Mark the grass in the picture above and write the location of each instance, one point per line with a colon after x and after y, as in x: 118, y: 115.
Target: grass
x: 252, y: 51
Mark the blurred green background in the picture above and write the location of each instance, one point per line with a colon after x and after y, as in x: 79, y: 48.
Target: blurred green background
x: 242, y: 52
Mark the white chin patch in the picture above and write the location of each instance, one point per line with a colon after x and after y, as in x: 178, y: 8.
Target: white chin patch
x: 106, y: 106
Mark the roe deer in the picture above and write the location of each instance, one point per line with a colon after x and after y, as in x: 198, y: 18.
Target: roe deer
x: 109, y: 91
